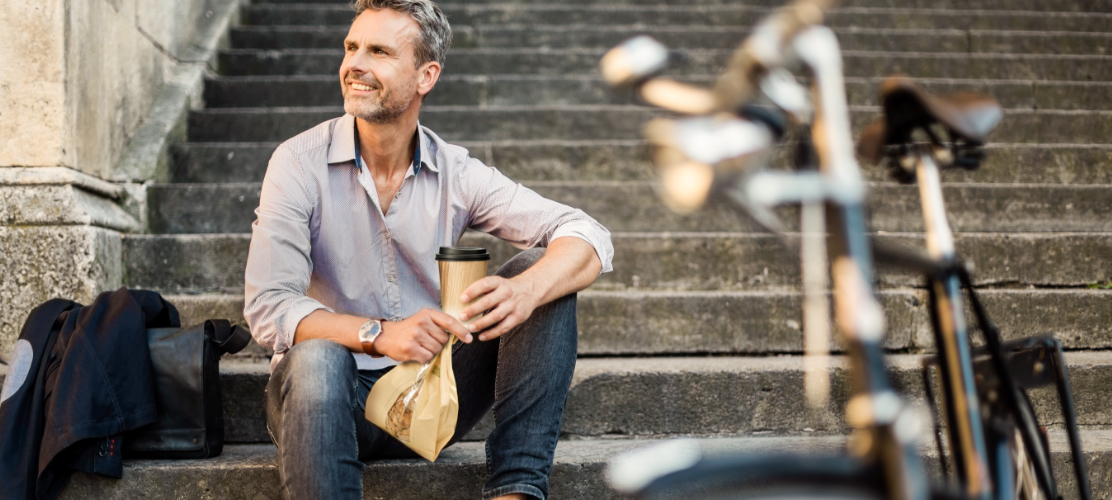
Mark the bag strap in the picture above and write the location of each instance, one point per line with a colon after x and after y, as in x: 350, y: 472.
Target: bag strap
x: 228, y: 337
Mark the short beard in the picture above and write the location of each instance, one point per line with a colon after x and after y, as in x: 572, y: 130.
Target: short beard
x: 386, y: 109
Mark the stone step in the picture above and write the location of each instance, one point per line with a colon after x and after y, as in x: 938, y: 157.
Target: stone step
x: 464, y: 16
x: 634, y: 322
x: 703, y: 37
x: 559, y: 160
x: 249, y: 472
x: 625, y: 206
x: 662, y: 396
x: 1099, y: 6
x: 593, y: 122
x: 717, y: 395
x: 517, y: 90
x: 242, y: 62
x: 666, y: 261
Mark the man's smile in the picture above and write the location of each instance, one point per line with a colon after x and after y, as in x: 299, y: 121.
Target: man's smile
x: 361, y: 87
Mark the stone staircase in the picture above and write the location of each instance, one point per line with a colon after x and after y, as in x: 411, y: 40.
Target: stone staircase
x: 697, y: 331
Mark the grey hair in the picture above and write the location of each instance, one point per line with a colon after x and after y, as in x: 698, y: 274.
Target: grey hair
x: 435, y: 34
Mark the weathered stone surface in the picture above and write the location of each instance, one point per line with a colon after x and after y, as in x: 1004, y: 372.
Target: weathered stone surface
x: 44, y: 262
x: 703, y: 37
x: 1051, y: 8
x: 514, y: 90
x: 634, y: 206
x: 121, y: 73
x: 628, y: 160
x: 653, y: 323
x: 249, y: 472
x: 89, y: 71
x: 677, y: 261
x: 33, y: 99
x: 465, y: 15
x: 242, y: 62
x: 593, y: 122
x: 63, y: 205
x: 707, y: 395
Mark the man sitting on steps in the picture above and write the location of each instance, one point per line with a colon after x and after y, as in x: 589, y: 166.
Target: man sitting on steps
x: 350, y: 217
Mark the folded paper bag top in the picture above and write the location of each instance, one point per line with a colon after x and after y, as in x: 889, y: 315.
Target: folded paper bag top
x: 418, y: 404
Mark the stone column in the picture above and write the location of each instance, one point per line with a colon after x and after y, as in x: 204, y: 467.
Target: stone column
x: 92, y: 92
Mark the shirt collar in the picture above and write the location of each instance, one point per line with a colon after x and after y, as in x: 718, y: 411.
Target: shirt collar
x: 342, y: 147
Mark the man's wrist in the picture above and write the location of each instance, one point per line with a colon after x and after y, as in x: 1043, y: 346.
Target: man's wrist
x: 368, y: 336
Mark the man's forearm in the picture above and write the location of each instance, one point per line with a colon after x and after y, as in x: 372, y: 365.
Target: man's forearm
x: 569, y: 265
x: 340, y: 328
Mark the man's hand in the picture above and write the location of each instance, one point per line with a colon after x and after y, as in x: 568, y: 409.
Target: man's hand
x: 419, y: 337
x: 510, y: 303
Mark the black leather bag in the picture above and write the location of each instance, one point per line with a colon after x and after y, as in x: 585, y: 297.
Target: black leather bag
x: 187, y: 380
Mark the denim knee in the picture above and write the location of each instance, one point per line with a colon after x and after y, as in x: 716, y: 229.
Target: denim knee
x: 317, y: 372
x: 520, y: 262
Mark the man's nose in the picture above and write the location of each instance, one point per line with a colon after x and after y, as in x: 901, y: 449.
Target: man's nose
x: 360, y: 62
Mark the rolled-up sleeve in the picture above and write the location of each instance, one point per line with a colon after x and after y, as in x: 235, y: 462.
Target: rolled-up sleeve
x: 510, y: 211
x: 279, y: 265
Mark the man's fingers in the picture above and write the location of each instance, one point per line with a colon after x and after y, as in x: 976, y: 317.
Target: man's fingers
x: 488, y: 301
x: 480, y: 287
x: 437, y: 333
x: 508, y: 321
x: 451, y: 324
x: 490, y: 318
x: 429, y: 343
x: 421, y: 355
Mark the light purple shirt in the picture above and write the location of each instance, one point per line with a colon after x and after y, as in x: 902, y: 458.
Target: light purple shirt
x: 320, y: 240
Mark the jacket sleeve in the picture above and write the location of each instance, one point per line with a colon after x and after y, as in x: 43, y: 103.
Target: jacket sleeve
x: 279, y: 265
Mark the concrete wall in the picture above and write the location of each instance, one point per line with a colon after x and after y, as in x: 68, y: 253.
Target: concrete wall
x: 91, y: 91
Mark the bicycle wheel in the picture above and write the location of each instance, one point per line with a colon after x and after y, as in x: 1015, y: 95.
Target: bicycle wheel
x: 1026, y: 481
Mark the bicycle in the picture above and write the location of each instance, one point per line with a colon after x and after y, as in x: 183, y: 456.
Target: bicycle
x: 717, y: 153
x: 1011, y: 443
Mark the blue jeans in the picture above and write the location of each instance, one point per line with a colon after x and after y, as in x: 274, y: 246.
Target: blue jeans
x: 315, y: 398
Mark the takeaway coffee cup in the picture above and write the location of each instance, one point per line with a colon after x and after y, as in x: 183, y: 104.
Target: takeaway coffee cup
x: 459, y: 268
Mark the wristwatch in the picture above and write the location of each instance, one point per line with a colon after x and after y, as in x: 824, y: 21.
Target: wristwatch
x: 368, y: 333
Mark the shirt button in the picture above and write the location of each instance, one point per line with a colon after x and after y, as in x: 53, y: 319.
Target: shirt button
x: 398, y: 195
x: 391, y: 278
x: 387, y: 234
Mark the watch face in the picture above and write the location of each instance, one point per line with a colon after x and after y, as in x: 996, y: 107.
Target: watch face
x: 370, y: 330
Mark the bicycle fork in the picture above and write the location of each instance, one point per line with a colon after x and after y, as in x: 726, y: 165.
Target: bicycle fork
x: 966, y: 436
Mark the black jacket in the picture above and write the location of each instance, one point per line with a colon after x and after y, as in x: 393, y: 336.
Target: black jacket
x: 88, y: 379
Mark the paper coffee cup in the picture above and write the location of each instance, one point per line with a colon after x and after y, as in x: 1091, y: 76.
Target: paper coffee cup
x: 459, y: 268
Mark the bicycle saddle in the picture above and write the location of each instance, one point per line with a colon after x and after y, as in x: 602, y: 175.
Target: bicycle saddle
x: 967, y: 116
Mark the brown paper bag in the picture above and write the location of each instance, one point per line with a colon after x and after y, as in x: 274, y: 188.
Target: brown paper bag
x: 418, y: 404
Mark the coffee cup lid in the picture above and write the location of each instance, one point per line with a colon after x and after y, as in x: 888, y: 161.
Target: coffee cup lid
x: 462, y: 254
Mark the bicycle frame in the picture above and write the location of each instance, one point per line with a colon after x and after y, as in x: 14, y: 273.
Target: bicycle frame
x: 886, y: 432
x: 857, y: 310
x: 967, y: 442
x: 1008, y: 369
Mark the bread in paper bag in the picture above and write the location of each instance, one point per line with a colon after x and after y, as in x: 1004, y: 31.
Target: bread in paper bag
x: 418, y: 404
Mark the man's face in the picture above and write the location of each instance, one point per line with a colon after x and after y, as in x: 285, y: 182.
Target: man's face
x: 378, y: 77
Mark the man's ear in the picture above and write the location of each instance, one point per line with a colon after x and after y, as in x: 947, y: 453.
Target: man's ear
x: 429, y: 75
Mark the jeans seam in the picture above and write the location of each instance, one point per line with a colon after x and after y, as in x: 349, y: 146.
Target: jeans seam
x: 494, y: 407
